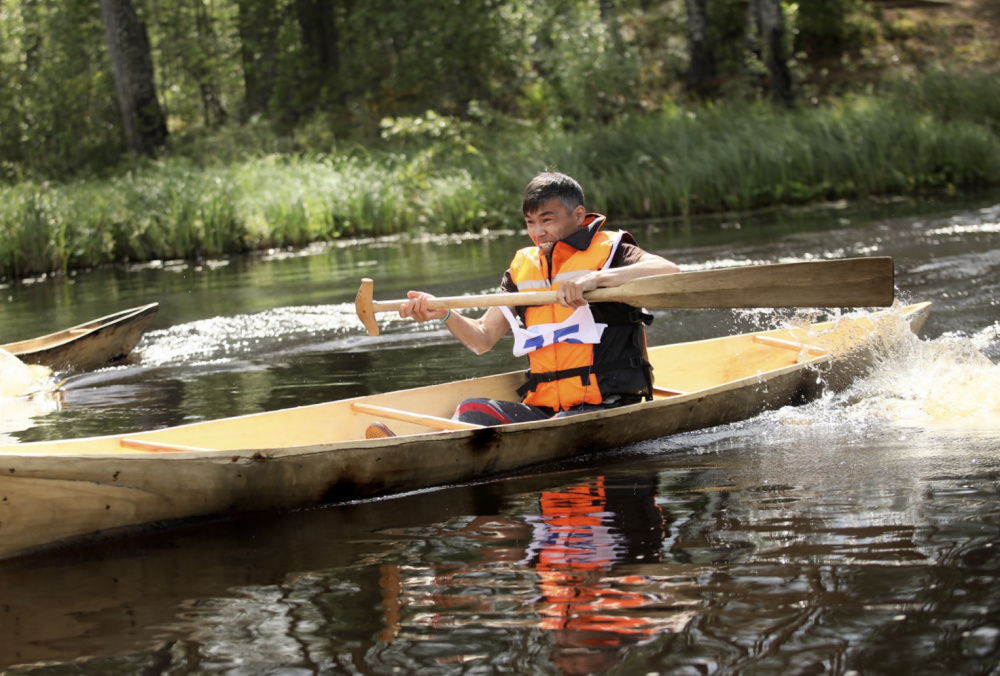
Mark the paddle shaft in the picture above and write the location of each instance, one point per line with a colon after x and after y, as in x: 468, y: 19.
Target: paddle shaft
x: 850, y: 282
x: 485, y: 300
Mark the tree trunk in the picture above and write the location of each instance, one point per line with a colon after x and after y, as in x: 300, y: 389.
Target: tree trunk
x: 321, y: 49
x: 215, y: 113
x: 31, y: 39
x: 765, y: 19
x: 132, y: 64
x: 701, y: 73
x: 258, y: 27
x: 606, y: 8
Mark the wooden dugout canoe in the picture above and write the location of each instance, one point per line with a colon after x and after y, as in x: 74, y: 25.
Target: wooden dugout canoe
x: 95, y: 344
x: 51, y: 492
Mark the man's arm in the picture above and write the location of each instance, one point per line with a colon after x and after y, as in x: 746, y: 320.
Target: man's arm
x: 571, y: 291
x: 479, y: 335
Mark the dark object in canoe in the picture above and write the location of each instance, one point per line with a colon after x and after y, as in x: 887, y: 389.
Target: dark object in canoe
x: 98, y: 343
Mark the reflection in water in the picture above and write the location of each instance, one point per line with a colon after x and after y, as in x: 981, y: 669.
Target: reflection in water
x: 558, y: 573
x: 568, y: 581
x: 577, y: 539
x: 768, y: 547
x: 230, y: 338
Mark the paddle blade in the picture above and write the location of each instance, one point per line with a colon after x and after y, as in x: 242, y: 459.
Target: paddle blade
x: 851, y: 282
x: 364, y: 306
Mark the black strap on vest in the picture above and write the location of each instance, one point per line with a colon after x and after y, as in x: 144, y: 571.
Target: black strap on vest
x: 583, y: 372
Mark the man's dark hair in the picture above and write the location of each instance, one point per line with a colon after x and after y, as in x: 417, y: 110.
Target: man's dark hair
x: 548, y: 185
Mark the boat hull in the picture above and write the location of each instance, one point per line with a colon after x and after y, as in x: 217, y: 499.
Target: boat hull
x: 61, y: 491
x: 102, y: 342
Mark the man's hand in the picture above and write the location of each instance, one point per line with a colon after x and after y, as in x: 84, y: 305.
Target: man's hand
x: 479, y: 335
x: 570, y: 293
x: 417, y: 309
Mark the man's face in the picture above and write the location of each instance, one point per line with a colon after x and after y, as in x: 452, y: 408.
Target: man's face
x: 551, y: 223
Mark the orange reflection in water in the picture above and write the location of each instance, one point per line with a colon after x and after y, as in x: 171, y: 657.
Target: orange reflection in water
x: 574, y: 544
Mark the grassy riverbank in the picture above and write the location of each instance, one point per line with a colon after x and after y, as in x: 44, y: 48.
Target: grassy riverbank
x: 939, y: 133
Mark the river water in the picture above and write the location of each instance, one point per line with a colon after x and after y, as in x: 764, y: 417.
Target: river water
x: 856, y: 534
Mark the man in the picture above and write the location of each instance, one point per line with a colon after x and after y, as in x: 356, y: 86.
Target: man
x: 581, y: 356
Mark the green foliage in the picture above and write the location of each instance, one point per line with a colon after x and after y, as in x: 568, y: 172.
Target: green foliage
x: 196, y: 46
x: 246, y: 78
x: 728, y: 33
x: 429, y: 127
x: 313, y: 74
x: 58, y: 111
x: 443, y: 175
x: 827, y: 27
x: 293, y: 121
x: 657, y: 36
x: 581, y: 66
x: 973, y: 97
x: 738, y: 158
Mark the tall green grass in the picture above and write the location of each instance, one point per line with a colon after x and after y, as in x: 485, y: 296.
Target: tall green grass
x: 931, y: 134
x: 734, y: 159
x: 175, y: 210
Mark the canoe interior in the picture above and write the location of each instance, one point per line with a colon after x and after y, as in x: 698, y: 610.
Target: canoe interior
x: 683, y: 368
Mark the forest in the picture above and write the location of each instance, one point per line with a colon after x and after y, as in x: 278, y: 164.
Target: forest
x: 136, y: 130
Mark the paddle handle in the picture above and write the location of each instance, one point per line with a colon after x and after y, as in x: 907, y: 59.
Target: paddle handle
x: 486, y: 300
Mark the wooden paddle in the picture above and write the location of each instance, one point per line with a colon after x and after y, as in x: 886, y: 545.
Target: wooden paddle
x: 849, y: 282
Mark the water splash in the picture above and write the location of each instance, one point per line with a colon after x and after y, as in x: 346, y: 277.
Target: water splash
x: 19, y: 413
x: 944, y: 382
x: 18, y: 378
x: 941, y: 383
x: 222, y: 339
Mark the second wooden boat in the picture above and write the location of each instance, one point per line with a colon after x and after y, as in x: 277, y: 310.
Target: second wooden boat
x: 59, y: 491
x: 95, y: 344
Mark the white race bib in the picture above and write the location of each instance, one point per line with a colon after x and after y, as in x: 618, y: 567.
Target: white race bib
x: 579, y: 327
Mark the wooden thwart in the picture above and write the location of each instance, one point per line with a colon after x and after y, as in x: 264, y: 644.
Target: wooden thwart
x: 417, y: 418
x: 160, y: 447
x: 788, y: 345
x: 667, y: 392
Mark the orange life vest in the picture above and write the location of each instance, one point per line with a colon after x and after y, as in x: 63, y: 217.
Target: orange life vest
x: 567, y: 374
